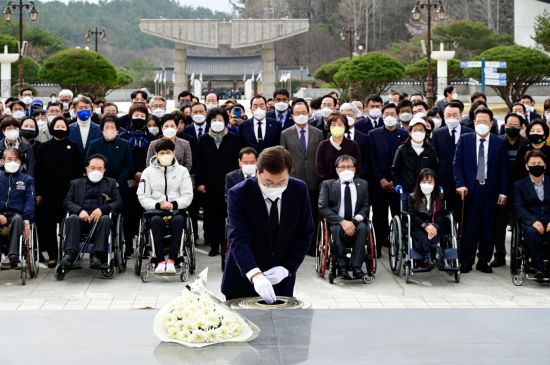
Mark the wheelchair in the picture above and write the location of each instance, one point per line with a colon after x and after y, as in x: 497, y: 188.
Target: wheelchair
x: 186, y: 261
x: 325, y: 260
x: 520, y: 262
x: 402, y: 254
x: 115, y: 249
x: 29, y: 252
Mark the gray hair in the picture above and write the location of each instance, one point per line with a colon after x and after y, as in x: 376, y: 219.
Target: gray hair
x: 349, y: 106
x: 346, y: 158
x: 66, y: 92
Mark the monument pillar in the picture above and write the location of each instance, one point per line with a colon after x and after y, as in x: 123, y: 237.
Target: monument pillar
x: 268, y: 69
x: 442, y: 57
x: 180, y: 64
x: 6, y: 59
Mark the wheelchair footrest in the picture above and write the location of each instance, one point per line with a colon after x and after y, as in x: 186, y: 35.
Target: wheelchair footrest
x: 450, y: 254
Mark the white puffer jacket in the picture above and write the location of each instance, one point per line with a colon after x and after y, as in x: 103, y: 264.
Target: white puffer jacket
x: 159, y: 184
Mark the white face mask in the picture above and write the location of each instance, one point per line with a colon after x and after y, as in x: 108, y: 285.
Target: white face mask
x: 259, y: 114
x: 66, y: 106
x: 482, y: 130
x: 109, y: 135
x: 418, y: 137
x: 326, y: 112
x: 159, y: 113
x: 346, y: 175
x: 153, y: 130
x: 547, y: 117
x: 18, y: 114
x: 169, y: 132
x: 452, y: 123
x: 211, y: 106
x: 27, y: 100
x: 405, y: 117
x: 7, y: 112
x: 281, y: 106
x: 375, y: 113
x: 351, y: 122
x: 12, y: 167
x: 42, y: 124
x: 217, y: 126
x: 437, y: 123
x: 165, y: 160
x: 249, y: 170
x: 72, y: 114
x: 317, y: 114
x: 12, y: 135
x: 198, y: 119
x: 301, y: 119
x: 426, y: 188
x: 390, y: 121
x: 529, y: 108
x: 272, y: 193
x: 95, y: 176
x: 420, y: 115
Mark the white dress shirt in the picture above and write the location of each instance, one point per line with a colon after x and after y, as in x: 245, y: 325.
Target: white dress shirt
x: 486, y: 148
x: 353, y: 190
x: 351, y: 132
x: 263, y: 126
x: 457, y: 133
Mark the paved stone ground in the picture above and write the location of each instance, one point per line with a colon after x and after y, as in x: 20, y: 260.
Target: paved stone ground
x: 85, y: 289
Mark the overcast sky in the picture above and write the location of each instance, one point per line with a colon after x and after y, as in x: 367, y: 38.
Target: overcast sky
x: 220, y: 5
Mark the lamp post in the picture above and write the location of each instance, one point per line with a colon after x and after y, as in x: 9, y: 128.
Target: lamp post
x: 96, y: 33
x: 8, y: 14
x: 429, y: 5
x: 350, y: 35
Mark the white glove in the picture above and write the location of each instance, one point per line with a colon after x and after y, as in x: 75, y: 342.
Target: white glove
x: 264, y: 288
x: 276, y: 274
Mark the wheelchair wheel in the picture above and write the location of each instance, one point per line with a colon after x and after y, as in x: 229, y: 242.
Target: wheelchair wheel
x: 185, y: 271
x: 372, y: 248
x: 34, y: 255
x: 120, y: 245
x: 368, y: 279
x: 517, y: 280
x: 317, y: 250
x: 108, y: 272
x: 324, y: 252
x: 516, y: 254
x: 407, y: 269
x: 396, y: 246
x: 59, y: 272
x: 148, y: 273
x: 457, y: 277
x: 140, y: 249
x: 23, y: 273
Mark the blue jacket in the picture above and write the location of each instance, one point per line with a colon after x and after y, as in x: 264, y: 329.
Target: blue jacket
x: 17, y: 195
x: 465, y: 164
x: 251, y: 242
x: 271, y: 138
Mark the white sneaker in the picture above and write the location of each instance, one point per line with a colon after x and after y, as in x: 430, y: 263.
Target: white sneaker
x: 170, y: 268
x: 161, y: 268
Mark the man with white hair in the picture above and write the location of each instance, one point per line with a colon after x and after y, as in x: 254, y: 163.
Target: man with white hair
x: 211, y: 101
x: 352, y: 113
x: 66, y: 99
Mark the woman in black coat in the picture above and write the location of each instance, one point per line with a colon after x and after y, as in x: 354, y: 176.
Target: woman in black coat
x: 427, y: 214
x: 58, y: 163
x: 412, y: 156
x: 217, y: 154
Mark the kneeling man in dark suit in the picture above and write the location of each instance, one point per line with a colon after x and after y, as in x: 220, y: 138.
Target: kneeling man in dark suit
x: 344, y: 203
x: 269, y: 230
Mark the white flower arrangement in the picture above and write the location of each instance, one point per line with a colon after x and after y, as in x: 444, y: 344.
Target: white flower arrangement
x: 197, y: 319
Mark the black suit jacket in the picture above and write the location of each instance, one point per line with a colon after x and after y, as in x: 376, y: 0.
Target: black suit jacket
x: 381, y: 154
x: 319, y: 123
x: 527, y: 204
x: 330, y: 200
x: 289, y: 122
x: 252, y: 243
x: 363, y: 142
x: 233, y: 178
x: 365, y: 125
x: 77, y: 192
x: 271, y: 138
x: 445, y: 149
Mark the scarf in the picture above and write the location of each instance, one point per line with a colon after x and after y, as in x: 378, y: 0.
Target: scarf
x: 217, y: 136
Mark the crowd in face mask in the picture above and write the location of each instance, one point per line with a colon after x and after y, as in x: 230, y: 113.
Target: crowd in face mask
x: 212, y: 147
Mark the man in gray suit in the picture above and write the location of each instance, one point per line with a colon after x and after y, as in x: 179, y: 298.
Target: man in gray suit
x: 302, y: 140
x: 343, y: 202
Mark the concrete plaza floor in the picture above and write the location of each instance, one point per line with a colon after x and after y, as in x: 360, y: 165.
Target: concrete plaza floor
x: 86, y: 290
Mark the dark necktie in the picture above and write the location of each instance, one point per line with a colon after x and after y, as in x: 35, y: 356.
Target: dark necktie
x: 348, y: 134
x: 281, y: 119
x: 453, y: 134
x: 200, y: 132
x: 274, y: 218
x: 260, y: 136
x: 347, y: 202
x: 481, y: 162
x: 303, y: 140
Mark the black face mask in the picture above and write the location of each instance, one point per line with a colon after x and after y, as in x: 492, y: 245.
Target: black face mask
x: 536, y: 138
x: 138, y: 123
x: 59, y: 133
x: 512, y: 132
x: 536, y: 171
x: 28, y: 133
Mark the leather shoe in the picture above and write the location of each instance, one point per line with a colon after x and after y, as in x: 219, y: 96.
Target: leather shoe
x: 67, y: 260
x: 344, y: 273
x: 378, y: 255
x: 464, y: 269
x: 498, y: 263
x: 213, y: 253
x: 358, y: 274
x: 483, y: 267
x: 95, y: 263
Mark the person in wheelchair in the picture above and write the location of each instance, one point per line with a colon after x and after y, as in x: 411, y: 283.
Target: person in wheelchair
x: 532, y: 205
x: 343, y: 202
x: 165, y: 186
x: 16, y: 201
x: 89, y: 201
x: 427, y: 216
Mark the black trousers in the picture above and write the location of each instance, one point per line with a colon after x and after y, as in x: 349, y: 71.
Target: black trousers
x: 358, y: 244
x: 503, y: 216
x: 382, y: 201
x: 177, y: 224
x: 422, y: 244
x: 48, y: 215
x: 314, y: 203
x: 533, y: 241
x: 132, y: 215
x: 215, y: 211
x: 74, y: 227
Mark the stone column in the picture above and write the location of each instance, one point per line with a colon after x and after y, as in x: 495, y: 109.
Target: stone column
x: 442, y: 57
x: 180, y: 64
x: 6, y: 59
x: 268, y: 69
